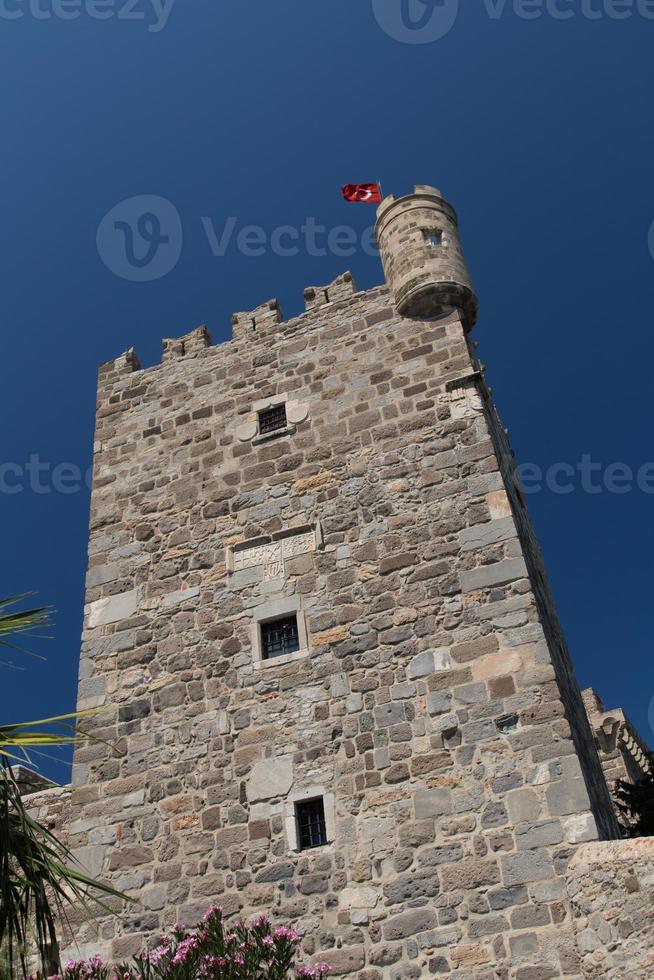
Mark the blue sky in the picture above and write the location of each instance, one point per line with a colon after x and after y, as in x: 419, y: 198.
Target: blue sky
x: 536, y: 128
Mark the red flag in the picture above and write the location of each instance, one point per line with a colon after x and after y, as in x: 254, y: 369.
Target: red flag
x: 369, y: 193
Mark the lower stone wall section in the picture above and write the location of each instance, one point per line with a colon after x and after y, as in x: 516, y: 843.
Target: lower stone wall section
x: 611, y: 889
x: 51, y: 808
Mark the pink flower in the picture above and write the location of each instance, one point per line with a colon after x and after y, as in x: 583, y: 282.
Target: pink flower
x: 184, y: 950
x: 283, y: 932
x: 260, y: 920
x: 212, y: 910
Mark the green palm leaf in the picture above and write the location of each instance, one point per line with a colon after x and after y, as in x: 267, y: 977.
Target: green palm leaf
x: 38, y: 877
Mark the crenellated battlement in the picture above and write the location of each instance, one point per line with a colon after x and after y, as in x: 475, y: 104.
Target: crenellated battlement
x: 424, y: 268
x: 112, y: 371
x: 341, y: 288
x: 261, y: 316
x: 187, y: 346
x: 244, y: 325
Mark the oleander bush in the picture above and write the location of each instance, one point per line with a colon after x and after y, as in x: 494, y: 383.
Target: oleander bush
x: 215, y: 951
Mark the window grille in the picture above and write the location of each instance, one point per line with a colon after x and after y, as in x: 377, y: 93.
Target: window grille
x: 279, y: 637
x: 272, y: 419
x: 312, y: 831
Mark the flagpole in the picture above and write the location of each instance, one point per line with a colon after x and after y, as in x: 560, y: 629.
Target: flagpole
x: 381, y: 193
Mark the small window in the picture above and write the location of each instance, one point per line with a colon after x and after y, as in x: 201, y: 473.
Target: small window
x: 310, y: 816
x: 272, y: 419
x: 434, y: 238
x: 279, y: 637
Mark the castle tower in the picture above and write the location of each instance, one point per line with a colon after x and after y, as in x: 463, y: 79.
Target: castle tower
x: 418, y: 237
x: 316, y: 608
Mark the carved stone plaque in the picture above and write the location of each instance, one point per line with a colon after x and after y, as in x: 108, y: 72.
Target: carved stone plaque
x: 272, y: 554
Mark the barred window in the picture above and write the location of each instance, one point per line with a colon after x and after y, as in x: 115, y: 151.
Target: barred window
x: 279, y: 637
x: 272, y: 419
x: 310, y: 816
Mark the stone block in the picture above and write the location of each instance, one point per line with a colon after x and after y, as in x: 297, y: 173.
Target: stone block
x: 528, y: 836
x: 526, y: 867
x: 580, y: 828
x: 432, y: 803
x: 346, y: 960
x: 487, y: 576
x: 112, y: 609
x: 497, y: 665
x: 523, y: 805
x: 566, y: 796
x: 411, y: 887
x: 360, y: 897
x: 439, y: 702
x: 409, y: 924
x: 470, y: 874
x: 482, y: 535
x: 270, y: 778
x: 101, y: 575
x: 389, y: 714
x: 422, y: 665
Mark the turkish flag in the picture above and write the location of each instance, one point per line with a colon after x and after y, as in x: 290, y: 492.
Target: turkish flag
x: 370, y: 193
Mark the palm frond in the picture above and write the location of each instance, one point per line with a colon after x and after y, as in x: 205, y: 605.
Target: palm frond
x: 39, y: 877
x: 21, y: 620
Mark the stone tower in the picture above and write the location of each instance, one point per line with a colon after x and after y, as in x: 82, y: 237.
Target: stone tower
x: 339, y: 690
x: 425, y: 267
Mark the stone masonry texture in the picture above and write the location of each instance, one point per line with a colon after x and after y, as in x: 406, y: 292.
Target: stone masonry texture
x: 432, y: 704
x: 622, y: 752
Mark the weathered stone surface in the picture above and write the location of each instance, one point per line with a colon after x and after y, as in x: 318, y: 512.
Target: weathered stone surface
x: 407, y: 888
x: 522, y: 868
x: 499, y: 573
x: 470, y: 874
x: 343, y: 961
x: 482, y: 535
x: 112, y: 609
x: 567, y: 796
x: 409, y: 923
x: 432, y: 803
x: 270, y: 778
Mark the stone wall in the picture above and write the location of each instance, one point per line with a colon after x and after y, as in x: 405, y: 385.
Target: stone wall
x: 611, y: 888
x: 622, y: 752
x: 571, y: 697
x: 428, y: 706
x: 51, y: 808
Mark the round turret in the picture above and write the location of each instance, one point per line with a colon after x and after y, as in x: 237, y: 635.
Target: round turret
x: 424, y: 264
